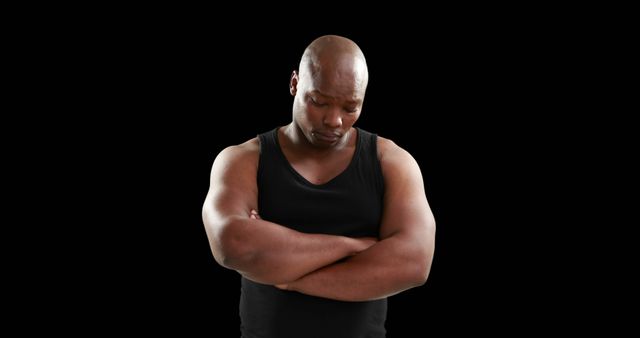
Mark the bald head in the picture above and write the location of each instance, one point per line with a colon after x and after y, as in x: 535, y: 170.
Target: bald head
x: 332, y: 48
x: 334, y: 61
x: 328, y: 91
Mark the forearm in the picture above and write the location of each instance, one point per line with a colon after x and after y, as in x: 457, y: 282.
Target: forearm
x: 385, y: 269
x: 269, y: 253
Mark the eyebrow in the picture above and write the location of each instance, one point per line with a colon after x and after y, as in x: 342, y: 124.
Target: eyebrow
x: 315, y: 91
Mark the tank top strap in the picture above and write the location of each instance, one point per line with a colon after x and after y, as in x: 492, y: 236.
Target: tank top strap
x: 369, y: 158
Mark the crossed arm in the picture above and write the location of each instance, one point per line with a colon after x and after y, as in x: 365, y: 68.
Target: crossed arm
x: 315, y: 264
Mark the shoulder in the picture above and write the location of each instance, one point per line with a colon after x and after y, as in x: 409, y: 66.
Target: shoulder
x: 247, y: 149
x: 241, y: 155
x: 389, y: 151
x: 394, y: 158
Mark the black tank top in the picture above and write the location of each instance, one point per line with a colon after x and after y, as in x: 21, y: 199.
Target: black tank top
x: 350, y: 205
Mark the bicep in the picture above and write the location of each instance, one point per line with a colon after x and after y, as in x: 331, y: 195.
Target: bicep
x: 406, y: 211
x: 233, y: 189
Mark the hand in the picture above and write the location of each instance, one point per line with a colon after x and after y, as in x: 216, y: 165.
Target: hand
x: 254, y: 214
x: 282, y: 286
x: 363, y: 243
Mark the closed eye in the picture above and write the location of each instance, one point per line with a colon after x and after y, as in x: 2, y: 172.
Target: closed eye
x: 316, y: 103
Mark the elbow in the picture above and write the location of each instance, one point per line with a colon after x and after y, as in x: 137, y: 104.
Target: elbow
x: 421, y: 274
x: 227, y: 245
x: 235, y: 253
x: 422, y: 267
x: 425, y: 257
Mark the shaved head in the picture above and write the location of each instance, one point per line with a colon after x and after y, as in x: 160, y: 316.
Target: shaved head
x: 335, y: 57
x: 328, y: 90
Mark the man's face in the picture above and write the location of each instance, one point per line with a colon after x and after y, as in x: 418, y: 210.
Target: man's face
x: 327, y: 103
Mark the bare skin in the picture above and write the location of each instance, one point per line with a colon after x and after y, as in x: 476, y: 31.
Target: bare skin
x: 319, y: 143
x: 262, y: 251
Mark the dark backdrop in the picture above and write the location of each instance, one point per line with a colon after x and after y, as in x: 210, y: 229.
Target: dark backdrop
x: 465, y: 99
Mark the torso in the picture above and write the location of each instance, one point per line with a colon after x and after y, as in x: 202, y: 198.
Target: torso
x: 349, y: 203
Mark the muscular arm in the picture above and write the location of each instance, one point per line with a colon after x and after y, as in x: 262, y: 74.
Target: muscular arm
x: 262, y: 251
x: 402, y: 258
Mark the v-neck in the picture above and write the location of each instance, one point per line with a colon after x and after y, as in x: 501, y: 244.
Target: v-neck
x: 302, y: 178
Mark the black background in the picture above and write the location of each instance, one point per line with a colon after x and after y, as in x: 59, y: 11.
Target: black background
x: 474, y: 101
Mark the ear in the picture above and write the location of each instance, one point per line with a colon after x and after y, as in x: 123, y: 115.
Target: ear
x: 293, y: 83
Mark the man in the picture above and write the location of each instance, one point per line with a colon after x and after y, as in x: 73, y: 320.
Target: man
x: 322, y: 220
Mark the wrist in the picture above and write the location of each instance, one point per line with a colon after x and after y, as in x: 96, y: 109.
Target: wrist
x: 351, y: 246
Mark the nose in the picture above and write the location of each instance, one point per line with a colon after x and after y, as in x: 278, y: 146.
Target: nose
x: 333, y: 119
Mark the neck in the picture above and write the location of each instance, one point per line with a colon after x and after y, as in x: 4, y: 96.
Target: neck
x: 298, y: 140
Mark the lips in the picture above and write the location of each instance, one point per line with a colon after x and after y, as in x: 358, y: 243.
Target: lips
x: 327, y: 136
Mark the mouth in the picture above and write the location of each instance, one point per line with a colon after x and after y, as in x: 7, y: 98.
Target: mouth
x: 327, y: 136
